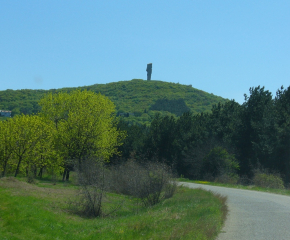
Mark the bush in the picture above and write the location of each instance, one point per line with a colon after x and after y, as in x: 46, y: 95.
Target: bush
x: 30, y: 175
x: 156, y: 184
x: 91, y: 179
x: 227, y: 178
x: 150, y: 183
x: 245, y: 180
x: 217, y: 163
x: 267, y: 180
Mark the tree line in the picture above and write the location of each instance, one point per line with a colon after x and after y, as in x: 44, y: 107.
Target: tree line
x: 232, y: 141
x: 69, y: 128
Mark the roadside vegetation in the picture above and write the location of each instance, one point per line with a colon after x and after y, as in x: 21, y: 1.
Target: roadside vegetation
x: 127, y: 168
x: 87, y: 196
x: 236, y: 143
x: 262, y: 181
x: 43, y: 211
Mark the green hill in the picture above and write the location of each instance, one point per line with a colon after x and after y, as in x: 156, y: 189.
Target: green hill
x: 137, y: 100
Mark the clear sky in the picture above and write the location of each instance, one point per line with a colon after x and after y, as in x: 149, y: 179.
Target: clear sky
x: 222, y: 47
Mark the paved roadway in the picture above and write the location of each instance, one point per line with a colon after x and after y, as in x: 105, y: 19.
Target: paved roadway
x: 253, y: 215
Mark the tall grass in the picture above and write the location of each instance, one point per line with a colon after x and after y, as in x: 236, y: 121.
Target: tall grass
x: 31, y: 212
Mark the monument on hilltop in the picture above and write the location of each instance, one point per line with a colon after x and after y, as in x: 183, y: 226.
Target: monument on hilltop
x: 149, y: 71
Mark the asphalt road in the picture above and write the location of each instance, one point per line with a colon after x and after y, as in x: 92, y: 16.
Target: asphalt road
x: 253, y: 215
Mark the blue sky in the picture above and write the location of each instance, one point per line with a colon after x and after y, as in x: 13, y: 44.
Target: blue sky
x: 221, y: 47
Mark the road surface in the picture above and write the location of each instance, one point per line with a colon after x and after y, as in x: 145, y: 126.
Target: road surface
x: 253, y: 215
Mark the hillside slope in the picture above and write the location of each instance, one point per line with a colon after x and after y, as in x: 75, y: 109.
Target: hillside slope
x: 137, y: 100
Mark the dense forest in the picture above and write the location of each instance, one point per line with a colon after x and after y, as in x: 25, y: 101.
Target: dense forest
x: 137, y: 100
x: 231, y: 141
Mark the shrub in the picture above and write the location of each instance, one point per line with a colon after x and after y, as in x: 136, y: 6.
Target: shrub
x: 125, y: 178
x: 245, y: 180
x: 219, y: 162
x: 150, y: 182
x: 268, y: 180
x: 30, y: 175
x: 156, y: 185
x: 227, y: 178
x: 91, y: 179
x: 30, y: 178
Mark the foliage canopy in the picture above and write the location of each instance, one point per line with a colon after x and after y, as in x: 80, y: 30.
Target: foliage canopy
x: 137, y: 100
x: 70, y: 126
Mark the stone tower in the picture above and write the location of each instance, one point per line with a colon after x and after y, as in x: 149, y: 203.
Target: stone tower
x: 149, y: 71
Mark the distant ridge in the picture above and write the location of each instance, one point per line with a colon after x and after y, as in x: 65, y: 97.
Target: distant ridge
x: 138, y: 100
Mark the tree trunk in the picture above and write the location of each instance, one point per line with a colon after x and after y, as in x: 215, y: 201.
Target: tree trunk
x: 64, y: 174
x: 80, y: 165
x: 67, y: 175
x: 18, y: 165
x: 4, y: 169
x: 40, y: 172
x: 34, y: 170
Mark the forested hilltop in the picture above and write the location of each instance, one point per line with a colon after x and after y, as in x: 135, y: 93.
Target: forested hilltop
x: 137, y: 100
x: 246, y: 143
x: 228, y: 141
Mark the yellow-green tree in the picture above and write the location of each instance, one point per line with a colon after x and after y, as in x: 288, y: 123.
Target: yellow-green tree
x: 55, y: 107
x: 5, y: 147
x: 27, y: 134
x: 85, y: 125
x: 44, y: 155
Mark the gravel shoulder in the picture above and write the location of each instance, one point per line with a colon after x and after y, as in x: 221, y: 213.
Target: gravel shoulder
x: 253, y: 215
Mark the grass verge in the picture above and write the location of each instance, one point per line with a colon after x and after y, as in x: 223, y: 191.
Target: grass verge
x: 249, y: 187
x: 37, y: 212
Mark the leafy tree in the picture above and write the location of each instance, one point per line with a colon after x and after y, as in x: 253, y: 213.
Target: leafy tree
x: 85, y: 123
x: 218, y: 161
x: 225, y: 121
x: 5, y: 147
x: 133, y: 144
x: 282, y: 113
x: 55, y: 107
x: 191, y: 134
x: 160, y: 140
x: 45, y: 155
x: 257, y: 135
x: 25, y: 136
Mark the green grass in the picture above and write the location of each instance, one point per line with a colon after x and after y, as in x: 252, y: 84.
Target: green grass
x: 37, y: 212
x: 249, y: 187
